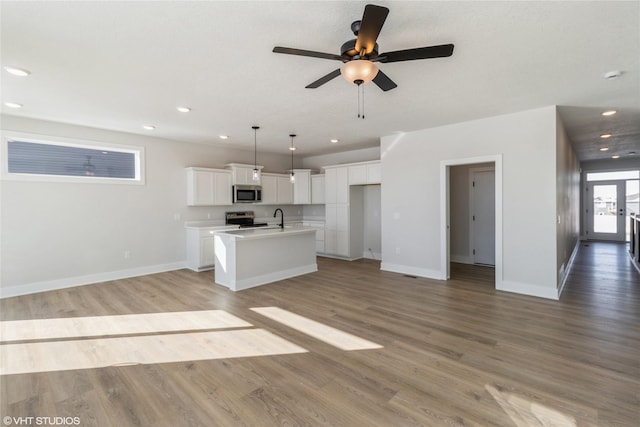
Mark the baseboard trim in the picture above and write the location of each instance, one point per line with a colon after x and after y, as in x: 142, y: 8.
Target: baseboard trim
x: 462, y: 259
x: 528, y: 289
x: 70, y: 282
x: 413, y: 271
x: 565, y: 273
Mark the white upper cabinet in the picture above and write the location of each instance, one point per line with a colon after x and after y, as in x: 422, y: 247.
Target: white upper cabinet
x: 365, y: 173
x: 243, y: 174
x: 276, y: 189
x: 302, y: 187
x: 337, y: 185
x: 208, y: 187
x: 317, y: 190
x: 285, y: 190
x: 269, y: 189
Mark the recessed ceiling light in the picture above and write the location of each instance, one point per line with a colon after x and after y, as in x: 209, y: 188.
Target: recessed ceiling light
x: 604, y: 149
x: 21, y: 72
x: 292, y: 148
x: 615, y: 156
x: 333, y: 141
x: 224, y: 136
x: 183, y: 109
x: 612, y: 75
x: 609, y: 113
x: 148, y: 127
x: 13, y: 105
x: 605, y: 135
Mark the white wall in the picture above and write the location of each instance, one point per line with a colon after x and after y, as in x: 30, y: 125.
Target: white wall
x: 411, y: 223
x: 58, y: 234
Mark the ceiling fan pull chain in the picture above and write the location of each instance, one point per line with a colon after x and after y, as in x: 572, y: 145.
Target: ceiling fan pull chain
x: 358, y: 89
x: 362, y: 102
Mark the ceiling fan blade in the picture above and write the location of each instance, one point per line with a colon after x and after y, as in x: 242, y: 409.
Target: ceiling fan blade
x: 311, y: 53
x: 384, y: 82
x: 439, y: 51
x: 322, y: 80
x: 370, y: 26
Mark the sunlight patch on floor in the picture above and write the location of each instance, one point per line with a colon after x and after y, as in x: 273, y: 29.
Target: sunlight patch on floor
x: 148, y: 349
x: 525, y: 413
x: 73, y: 327
x: 320, y: 331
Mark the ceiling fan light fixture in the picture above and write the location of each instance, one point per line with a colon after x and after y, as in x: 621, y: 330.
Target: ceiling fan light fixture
x: 359, y: 69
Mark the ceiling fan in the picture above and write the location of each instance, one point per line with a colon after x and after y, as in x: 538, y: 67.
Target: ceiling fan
x: 360, y: 55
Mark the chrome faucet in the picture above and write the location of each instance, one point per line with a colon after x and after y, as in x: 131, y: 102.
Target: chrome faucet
x: 281, y: 217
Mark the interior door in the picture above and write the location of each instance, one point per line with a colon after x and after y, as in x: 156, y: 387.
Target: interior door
x: 483, y: 216
x: 606, y: 210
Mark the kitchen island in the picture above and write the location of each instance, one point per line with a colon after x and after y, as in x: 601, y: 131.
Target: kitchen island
x: 256, y: 256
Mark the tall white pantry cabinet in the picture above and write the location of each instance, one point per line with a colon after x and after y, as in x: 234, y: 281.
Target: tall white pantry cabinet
x: 341, y: 239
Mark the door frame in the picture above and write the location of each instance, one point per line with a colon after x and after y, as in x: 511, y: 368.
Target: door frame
x: 620, y: 236
x: 472, y: 223
x: 445, y: 208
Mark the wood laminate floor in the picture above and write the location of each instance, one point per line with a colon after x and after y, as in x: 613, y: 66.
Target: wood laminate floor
x: 349, y: 345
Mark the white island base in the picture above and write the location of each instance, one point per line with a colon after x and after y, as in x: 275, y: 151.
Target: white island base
x: 257, y: 256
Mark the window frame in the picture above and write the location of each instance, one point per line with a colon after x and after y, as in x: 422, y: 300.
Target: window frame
x: 137, y: 151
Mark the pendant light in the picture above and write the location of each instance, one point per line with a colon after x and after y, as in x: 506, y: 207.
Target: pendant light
x: 292, y: 178
x: 256, y: 171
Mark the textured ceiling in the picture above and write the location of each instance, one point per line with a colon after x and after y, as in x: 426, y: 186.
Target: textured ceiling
x: 119, y: 65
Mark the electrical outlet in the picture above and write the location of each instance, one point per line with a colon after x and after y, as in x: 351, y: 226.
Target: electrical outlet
x: 127, y: 254
x: 176, y: 217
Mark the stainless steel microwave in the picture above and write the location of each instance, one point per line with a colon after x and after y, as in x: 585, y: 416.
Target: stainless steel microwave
x: 247, y: 193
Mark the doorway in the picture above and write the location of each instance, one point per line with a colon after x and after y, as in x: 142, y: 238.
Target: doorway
x: 606, y: 210
x: 610, y: 198
x: 446, y: 202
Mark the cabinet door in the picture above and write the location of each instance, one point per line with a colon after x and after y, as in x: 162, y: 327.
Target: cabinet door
x: 302, y: 188
x: 331, y: 242
x: 331, y: 218
x: 317, y: 189
x: 207, y: 251
x: 357, y: 175
x: 342, y: 243
x: 342, y: 185
x: 330, y: 186
x: 202, y: 188
x: 285, y: 191
x: 374, y: 173
x: 222, y: 195
x: 342, y: 217
x: 269, y: 190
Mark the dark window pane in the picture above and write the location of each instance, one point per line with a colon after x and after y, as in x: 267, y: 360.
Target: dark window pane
x: 47, y: 159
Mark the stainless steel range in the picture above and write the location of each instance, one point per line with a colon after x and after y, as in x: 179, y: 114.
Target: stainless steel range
x: 244, y: 219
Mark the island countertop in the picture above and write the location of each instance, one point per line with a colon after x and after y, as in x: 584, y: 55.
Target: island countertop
x: 266, y: 232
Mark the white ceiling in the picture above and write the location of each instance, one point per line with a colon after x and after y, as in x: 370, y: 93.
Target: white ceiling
x: 119, y: 65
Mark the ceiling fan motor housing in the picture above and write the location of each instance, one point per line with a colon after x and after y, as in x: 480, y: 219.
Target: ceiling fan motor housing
x: 348, y: 51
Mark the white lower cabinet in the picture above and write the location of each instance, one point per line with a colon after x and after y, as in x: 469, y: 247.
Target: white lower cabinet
x: 319, y: 226
x: 201, y: 254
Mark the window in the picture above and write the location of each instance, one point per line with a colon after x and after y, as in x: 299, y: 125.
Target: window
x: 607, y: 176
x: 29, y: 158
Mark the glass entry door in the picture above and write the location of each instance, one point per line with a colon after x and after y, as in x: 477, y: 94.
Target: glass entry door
x: 606, y: 210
